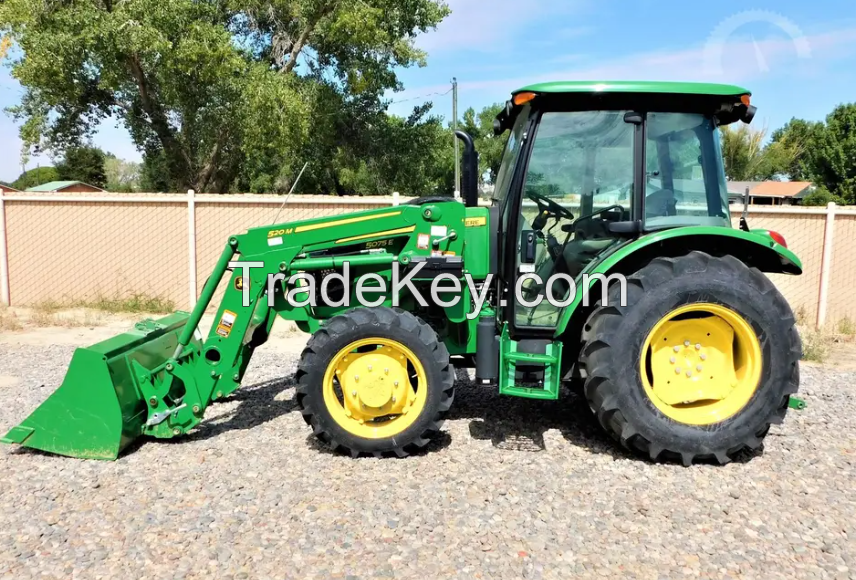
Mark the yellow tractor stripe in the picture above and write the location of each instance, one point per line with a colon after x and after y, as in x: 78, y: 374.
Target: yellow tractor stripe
x: 312, y: 227
x: 377, y: 234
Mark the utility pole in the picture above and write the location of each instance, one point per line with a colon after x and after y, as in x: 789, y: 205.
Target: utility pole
x: 455, y: 139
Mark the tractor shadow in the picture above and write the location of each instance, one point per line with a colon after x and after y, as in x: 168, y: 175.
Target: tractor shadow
x: 257, y: 404
x: 518, y: 424
x: 509, y: 423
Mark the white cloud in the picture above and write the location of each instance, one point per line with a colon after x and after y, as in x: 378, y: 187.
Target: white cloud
x: 739, y: 58
x: 490, y: 26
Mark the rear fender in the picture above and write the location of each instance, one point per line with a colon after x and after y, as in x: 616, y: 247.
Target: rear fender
x: 753, y: 248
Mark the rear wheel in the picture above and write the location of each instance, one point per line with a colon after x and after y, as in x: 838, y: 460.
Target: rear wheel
x: 375, y: 381
x: 698, y: 363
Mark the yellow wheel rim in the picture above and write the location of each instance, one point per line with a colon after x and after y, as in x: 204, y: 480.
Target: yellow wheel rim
x: 701, y: 364
x: 375, y: 388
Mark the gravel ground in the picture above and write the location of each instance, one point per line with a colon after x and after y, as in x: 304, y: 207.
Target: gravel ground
x: 513, y: 489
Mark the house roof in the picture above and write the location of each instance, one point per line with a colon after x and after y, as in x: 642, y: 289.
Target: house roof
x: 5, y: 187
x: 770, y: 188
x: 739, y: 187
x: 782, y: 189
x: 59, y: 186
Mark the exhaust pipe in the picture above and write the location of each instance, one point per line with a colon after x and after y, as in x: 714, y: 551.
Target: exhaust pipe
x: 470, y: 170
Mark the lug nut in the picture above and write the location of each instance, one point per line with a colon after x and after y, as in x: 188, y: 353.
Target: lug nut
x: 370, y: 368
x: 393, y: 399
x: 395, y: 383
x: 196, y: 408
x: 153, y: 402
x: 689, y: 373
x: 672, y: 360
x: 677, y: 349
x: 386, y: 371
x: 686, y: 343
x: 354, y: 393
x: 699, y: 368
x: 356, y: 378
x: 176, y: 431
x: 698, y: 346
x: 678, y: 371
x: 702, y: 356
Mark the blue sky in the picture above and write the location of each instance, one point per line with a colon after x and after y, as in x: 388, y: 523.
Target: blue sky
x: 798, y: 58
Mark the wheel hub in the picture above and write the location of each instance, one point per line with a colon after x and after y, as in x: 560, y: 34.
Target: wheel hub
x: 693, y: 361
x: 375, y: 387
x: 701, y: 364
x: 373, y: 383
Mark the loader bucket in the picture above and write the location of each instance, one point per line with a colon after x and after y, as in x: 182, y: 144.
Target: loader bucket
x: 99, y: 408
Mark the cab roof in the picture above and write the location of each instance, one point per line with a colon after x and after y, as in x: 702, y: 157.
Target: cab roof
x: 649, y: 87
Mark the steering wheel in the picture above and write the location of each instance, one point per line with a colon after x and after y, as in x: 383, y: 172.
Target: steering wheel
x: 547, y: 208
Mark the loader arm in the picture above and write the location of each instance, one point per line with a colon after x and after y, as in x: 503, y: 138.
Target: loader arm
x: 159, y: 380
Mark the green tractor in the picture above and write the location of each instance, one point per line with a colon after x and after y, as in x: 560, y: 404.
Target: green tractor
x: 606, y: 261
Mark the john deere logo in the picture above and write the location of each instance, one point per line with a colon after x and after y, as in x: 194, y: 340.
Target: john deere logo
x: 239, y: 283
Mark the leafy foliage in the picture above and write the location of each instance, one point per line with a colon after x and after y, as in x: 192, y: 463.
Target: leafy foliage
x: 826, y: 154
x: 821, y: 196
x: 218, y: 94
x: 84, y: 164
x: 834, y: 164
x: 490, y: 147
x: 122, y: 176
x: 802, y: 137
x: 747, y: 158
x: 35, y: 177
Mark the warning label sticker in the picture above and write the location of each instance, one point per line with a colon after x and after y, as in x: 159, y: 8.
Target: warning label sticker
x: 422, y: 241
x: 227, y: 321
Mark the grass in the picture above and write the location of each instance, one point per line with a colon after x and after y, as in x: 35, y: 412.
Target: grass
x: 87, y: 312
x: 846, y: 327
x: 9, y: 321
x: 801, y: 316
x: 816, y: 345
x: 134, y: 304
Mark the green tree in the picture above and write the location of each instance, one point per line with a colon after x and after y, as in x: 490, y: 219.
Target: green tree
x: 34, y: 177
x: 84, y: 164
x: 821, y: 196
x: 747, y: 158
x: 490, y: 147
x: 413, y: 155
x: 122, y: 176
x: 835, y: 159
x: 193, y: 80
x: 802, y: 138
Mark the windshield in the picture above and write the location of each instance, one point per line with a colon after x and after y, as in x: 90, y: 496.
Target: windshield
x: 685, y: 182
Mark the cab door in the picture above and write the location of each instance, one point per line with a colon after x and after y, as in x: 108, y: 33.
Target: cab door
x: 574, y: 177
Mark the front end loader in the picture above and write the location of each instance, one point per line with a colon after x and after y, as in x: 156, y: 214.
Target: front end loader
x: 606, y: 262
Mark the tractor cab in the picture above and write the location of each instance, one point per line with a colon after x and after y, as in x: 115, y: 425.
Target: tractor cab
x: 589, y: 167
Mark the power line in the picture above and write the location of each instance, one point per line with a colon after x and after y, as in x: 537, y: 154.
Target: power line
x: 438, y: 94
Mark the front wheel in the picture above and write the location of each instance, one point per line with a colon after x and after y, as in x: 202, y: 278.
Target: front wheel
x: 375, y: 381
x: 698, y: 362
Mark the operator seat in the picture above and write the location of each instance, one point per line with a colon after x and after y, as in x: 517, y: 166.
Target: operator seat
x: 591, y: 237
x: 661, y: 203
